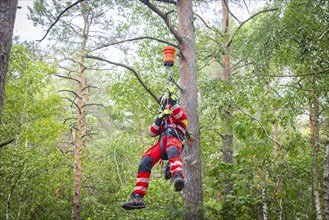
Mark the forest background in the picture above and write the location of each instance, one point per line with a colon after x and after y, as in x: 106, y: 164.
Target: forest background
x: 78, y: 105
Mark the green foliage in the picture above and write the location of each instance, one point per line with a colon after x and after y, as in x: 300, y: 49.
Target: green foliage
x: 30, y: 166
x: 281, y: 56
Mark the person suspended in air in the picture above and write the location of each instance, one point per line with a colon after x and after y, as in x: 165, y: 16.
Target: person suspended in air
x: 170, y: 128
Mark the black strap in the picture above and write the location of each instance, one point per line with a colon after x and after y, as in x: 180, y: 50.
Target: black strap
x: 164, y: 155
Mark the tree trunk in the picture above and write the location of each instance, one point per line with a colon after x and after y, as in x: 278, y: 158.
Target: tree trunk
x: 193, y: 195
x: 276, y: 150
x: 7, y: 20
x: 227, y: 137
x: 80, y: 122
x: 326, y: 180
x: 315, y: 143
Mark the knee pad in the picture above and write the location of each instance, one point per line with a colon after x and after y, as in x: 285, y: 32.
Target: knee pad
x: 146, y: 164
x: 172, y: 151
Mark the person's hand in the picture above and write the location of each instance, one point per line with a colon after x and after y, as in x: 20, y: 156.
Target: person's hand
x: 165, y: 113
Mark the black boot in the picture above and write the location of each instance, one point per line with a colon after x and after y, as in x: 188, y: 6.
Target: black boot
x: 135, y: 202
x: 167, y: 174
x: 178, y: 181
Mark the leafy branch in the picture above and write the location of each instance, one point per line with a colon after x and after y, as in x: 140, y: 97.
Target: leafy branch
x: 258, y: 13
x: 261, y: 125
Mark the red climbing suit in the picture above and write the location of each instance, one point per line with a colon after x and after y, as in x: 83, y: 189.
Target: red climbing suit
x: 171, y: 134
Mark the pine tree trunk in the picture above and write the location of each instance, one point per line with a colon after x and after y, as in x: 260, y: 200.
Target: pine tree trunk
x: 193, y: 195
x: 7, y: 20
x: 227, y: 137
x: 80, y: 122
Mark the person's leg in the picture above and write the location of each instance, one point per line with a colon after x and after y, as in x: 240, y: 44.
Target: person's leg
x: 176, y: 165
x: 149, y: 159
x: 175, y: 160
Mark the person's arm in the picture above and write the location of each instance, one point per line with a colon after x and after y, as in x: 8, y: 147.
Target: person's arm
x: 180, y: 116
x: 157, y: 126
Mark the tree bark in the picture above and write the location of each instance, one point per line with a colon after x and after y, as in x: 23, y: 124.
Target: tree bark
x: 7, y: 20
x: 315, y: 143
x: 193, y: 194
x: 227, y: 137
x: 81, y: 121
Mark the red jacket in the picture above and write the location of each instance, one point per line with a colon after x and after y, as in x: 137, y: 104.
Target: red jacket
x: 177, y: 120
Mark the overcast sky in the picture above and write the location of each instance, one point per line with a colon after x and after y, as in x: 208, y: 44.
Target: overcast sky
x: 23, y: 26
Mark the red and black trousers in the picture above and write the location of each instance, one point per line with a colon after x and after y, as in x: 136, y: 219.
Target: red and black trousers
x: 172, y: 148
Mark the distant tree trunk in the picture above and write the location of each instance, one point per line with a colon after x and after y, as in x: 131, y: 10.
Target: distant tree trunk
x: 326, y: 179
x: 193, y: 194
x: 227, y: 135
x: 81, y: 121
x: 7, y: 20
x: 276, y: 150
x: 315, y: 143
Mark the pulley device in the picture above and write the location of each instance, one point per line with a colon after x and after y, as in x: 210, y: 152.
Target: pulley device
x: 169, y: 56
x: 168, y: 62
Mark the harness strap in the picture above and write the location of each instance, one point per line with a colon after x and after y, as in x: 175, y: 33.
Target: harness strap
x: 170, y: 132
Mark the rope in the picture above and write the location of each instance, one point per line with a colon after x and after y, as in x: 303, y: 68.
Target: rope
x: 170, y: 79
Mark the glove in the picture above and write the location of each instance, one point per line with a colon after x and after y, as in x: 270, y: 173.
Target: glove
x: 172, y: 98
x: 165, y: 113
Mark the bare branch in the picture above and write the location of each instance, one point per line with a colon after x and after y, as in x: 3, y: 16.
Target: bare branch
x: 172, y: 80
x: 208, y: 61
x: 76, y: 105
x: 94, y: 104
x: 65, y: 90
x: 258, y: 13
x: 168, y: 1
x: 59, y: 16
x: 66, y: 77
x: 68, y: 119
x: 205, y: 23
x: 134, y: 39
x: 164, y: 17
x: 225, y: 2
x: 6, y: 143
x: 90, y: 86
x: 130, y: 69
x: 244, y: 2
x: 236, y: 65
